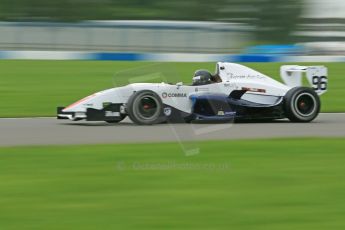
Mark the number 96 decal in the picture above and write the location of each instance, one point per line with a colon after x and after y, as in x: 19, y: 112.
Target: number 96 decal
x: 319, y: 83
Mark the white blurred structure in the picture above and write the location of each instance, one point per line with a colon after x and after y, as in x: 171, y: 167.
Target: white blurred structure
x: 322, y: 32
x: 324, y: 48
x: 324, y: 21
x: 125, y: 36
x: 324, y: 9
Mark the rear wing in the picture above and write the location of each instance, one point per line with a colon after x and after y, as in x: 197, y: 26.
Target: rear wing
x: 316, y: 76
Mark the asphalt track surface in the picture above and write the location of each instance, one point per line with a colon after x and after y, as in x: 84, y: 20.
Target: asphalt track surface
x: 50, y: 131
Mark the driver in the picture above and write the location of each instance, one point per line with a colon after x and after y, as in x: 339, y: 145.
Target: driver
x: 204, y: 77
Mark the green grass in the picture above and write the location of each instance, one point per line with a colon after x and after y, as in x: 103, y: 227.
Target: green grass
x: 267, y: 184
x: 36, y: 88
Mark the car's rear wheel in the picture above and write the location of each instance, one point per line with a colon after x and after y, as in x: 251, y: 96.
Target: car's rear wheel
x: 145, y: 108
x: 302, y: 104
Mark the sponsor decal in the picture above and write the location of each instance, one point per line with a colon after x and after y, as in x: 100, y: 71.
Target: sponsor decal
x: 201, y: 89
x: 229, y: 85
x: 165, y: 95
x: 167, y: 111
x: 221, y: 113
x: 112, y: 114
x: 122, y: 109
x: 254, y: 90
x: 232, y: 76
x: 105, y: 104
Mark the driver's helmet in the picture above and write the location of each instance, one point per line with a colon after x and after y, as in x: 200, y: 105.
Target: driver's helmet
x: 202, y: 77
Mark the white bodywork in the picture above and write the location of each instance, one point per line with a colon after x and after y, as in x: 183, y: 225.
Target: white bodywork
x: 260, y: 89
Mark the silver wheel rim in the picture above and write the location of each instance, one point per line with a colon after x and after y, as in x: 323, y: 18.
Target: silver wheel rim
x: 139, y: 114
x: 296, y: 106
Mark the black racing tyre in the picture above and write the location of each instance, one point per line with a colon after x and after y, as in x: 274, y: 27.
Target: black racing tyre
x: 302, y: 104
x: 145, y: 108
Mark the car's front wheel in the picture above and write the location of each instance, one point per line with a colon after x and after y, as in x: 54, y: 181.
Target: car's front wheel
x: 145, y: 108
x: 302, y: 104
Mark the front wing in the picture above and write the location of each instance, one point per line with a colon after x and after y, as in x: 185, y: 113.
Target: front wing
x: 111, y: 112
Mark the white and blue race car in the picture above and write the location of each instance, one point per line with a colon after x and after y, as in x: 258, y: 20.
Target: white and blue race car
x: 234, y: 93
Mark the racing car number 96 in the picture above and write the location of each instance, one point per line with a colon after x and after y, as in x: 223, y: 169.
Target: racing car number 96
x: 319, y: 82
